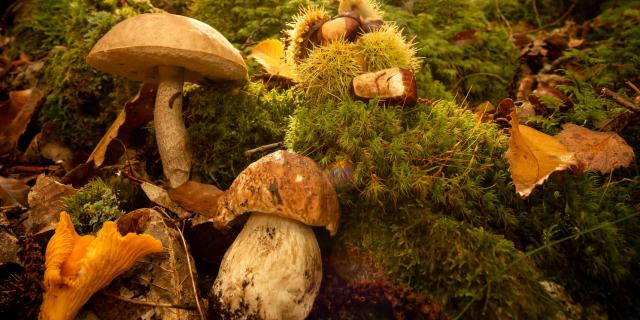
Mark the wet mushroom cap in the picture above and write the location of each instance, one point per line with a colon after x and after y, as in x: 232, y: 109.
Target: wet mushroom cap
x: 284, y: 184
x: 135, y: 46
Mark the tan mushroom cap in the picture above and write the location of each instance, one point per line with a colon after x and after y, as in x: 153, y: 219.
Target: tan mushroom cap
x: 135, y: 46
x: 285, y: 184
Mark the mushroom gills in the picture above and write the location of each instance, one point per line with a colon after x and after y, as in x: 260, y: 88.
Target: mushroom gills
x: 272, y: 270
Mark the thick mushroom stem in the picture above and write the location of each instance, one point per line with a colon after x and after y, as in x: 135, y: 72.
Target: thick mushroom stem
x: 272, y: 270
x: 171, y: 134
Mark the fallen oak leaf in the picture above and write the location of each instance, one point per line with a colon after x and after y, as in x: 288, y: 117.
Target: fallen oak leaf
x: 600, y: 151
x: 533, y: 156
x: 197, y: 197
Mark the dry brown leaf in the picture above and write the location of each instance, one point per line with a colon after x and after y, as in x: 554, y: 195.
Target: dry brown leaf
x: 13, y: 192
x: 601, y: 151
x: 533, y: 156
x: 197, y: 197
x: 270, y: 54
x: 15, y: 115
x: 160, y: 197
x: 48, y: 145
x: 45, y: 203
x: 159, y: 279
x: 136, y: 112
x: 10, y: 248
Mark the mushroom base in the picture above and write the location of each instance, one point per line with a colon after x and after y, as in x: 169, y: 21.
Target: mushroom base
x: 272, y: 270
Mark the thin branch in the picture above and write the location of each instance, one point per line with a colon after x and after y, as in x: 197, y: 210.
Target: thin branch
x: 193, y: 281
x: 266, y: 147
x: 633, y: 86
x: 619, y: 99
x: 147, y: 303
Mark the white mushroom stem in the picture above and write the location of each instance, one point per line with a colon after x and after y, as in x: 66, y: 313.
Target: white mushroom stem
x: 171, y: 134
x: 272, y: 270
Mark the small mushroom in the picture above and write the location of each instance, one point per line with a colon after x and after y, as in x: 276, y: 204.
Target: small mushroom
x: 78, y: 266
x: 168, y: 49
x: 273, y: 269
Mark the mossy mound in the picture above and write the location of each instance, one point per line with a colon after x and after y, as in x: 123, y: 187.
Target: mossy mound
x: 223, y: 125
x: 471, y: 272
x: 441, y: 160
x: 81, y: 101
x: 440, y: 155
x: 93, y: 205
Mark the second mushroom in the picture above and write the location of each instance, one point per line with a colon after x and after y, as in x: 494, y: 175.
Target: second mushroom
x: 273, y: 269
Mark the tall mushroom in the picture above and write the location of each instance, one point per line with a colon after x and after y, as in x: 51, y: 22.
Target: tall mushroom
x: 273, y: 269
x: 168, y: 49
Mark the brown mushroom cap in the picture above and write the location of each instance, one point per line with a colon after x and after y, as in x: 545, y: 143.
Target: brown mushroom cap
x: 135, y: 46
x: 284, y: 184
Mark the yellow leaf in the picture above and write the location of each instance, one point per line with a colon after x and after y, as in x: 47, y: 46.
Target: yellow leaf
x: 270, y: 54
x: 533, y: 156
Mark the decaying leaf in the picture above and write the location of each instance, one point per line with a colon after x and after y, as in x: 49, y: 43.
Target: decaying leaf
x: 45, y: 203
x: 136, y: 112
x: 15, y: 115
x: 533, y: 156
x: 197, y: 197
x: 162, y: 279
x: 10, y: 248
x: 48, y: 145
x: 270, y: 54
x: 13, y: 192
x: 160, y: 197
x: 601, y: 151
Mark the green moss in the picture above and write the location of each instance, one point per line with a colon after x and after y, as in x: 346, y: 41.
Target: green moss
x: 90, y: 207
x: 539, y: 13
x: 474, y: 59
x: 241, y: 20
x: 81, y: 102
x: 454, y: 263
x: 438, y: 155
x: 610, y: 58
x: 590, y: 109
x: 568, y: 205
x: 222, y: 125
x: 441, y: 159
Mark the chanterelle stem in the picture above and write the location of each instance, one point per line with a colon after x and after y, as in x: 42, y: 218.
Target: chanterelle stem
x: 171, y: 134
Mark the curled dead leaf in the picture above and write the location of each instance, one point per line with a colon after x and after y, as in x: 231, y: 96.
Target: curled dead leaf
x: 270, y: 55
x: 533, y: 156
x: 136, y: 112
x: 599, y: 151
x: 15, y: 115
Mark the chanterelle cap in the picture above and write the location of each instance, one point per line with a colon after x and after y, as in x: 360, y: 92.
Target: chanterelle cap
x: 284, y: 184
x: 133, y: 47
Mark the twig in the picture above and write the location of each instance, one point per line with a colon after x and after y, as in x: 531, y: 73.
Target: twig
x: 619, y: 99
x: 266, y: 147
x: 633, y: 86
x: 147, y: 303
x: 193, y: 281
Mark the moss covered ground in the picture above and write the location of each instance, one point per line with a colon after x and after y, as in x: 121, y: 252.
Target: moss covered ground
x: 428, y: 194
